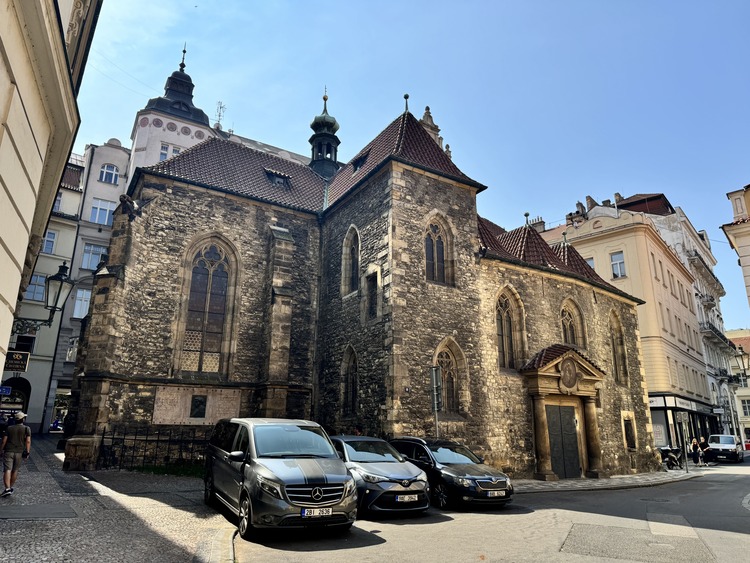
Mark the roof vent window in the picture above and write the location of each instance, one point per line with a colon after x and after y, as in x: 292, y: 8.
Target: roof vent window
x: 278, y: 179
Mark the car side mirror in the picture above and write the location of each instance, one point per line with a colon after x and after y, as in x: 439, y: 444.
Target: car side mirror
x: 237, y: 455
x: 481, y: 459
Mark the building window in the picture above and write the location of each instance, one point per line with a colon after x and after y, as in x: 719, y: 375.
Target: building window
x: 101, y: 211
x: 25, y: 343
x: 372, y: 296
x: 81, y: 307
x: 164, y: 152
x: 48, y: 245
x: 590, y: 262
x: 745, y: 407
x: 350, y: 262
x: 572, y: 326
x: 629, y: 433
x: 92, y: 255
x: 351, y: 383
x: 437, y: 254
x: 206, y: 312
x: 198, y: 406
x: 35, y: 290
x: 504, y: 318
x: 58, y: 202
x: 617, y: 344
x: 109, y: 174
x: 449, y: 373
x: 617, y: 259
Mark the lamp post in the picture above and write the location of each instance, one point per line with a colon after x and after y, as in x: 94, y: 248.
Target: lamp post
x: 57, y: 287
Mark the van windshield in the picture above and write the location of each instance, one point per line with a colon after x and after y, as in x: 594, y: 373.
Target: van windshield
x: 721, y: 440
x: 290, y: 440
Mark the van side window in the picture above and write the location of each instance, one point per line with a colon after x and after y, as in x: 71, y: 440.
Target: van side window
x: 223, y: 435
x: 406, y: 449
x: 242, y: 441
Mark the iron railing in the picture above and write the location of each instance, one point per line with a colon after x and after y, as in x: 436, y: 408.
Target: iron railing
x: 148, y: 448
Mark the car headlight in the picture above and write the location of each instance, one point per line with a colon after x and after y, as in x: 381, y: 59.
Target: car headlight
x: 463, y: 482
x: 422, y: 476
x: 370, y: 478
x: 510, y: 486
x: 349, y: 488
x: 273, y: 489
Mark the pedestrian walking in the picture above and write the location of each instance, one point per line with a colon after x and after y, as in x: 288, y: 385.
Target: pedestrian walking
x: 696, y: 451
x: 703, y: 446
x: 17, y: 446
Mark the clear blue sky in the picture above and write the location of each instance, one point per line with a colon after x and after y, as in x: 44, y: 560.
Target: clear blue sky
x: 545, y: 102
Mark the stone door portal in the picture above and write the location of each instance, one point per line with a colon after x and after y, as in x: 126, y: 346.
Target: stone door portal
x: 563, y: 438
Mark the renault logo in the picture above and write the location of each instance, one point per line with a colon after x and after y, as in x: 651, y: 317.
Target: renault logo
x: 317, y: 493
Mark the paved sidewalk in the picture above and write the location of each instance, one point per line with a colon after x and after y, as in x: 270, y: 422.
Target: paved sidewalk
x: 121, y: 516
x: 113, y: 516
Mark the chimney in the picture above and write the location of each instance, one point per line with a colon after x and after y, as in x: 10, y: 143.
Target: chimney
x: 590, y: 203
x: 618, y: 197
x: 538, y: 224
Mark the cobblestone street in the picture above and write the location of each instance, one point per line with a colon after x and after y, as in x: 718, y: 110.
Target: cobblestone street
x: 107, y: 516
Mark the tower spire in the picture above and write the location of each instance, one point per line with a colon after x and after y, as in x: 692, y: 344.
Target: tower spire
x: 182, y: 64
x: 324, y: 142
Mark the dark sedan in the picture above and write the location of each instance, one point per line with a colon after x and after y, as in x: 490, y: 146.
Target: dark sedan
x: 455, y: 473
x: 385, y: 481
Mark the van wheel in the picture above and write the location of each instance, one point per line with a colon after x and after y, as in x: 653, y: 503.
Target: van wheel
x: 209, y: 493
x: 244, y: 524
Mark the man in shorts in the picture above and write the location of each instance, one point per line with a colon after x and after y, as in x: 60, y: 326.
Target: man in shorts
x: 17, y: 445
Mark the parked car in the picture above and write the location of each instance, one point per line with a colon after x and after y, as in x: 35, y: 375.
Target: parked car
x: 278, y: 473
x: 455, y: 473
x: 724, y: 447
x: 386, y: 482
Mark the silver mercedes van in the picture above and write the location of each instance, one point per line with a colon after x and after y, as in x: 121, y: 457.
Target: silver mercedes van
x: 278, y: 473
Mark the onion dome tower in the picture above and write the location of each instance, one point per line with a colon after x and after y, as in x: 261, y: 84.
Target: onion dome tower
x: 325, y: 143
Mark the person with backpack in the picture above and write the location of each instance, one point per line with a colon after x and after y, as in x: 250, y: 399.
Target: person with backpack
x: 17, y: 446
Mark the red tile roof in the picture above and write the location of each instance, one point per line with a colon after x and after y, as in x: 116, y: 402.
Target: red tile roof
x: 405, y: 140
x: 656, y: 204
x: 235, y: 168
x: 527, y: 245
x: 576, y: 263
x: 72, y: 177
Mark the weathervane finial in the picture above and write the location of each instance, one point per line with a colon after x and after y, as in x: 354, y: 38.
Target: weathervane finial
x: 182, y: 64
x: 406, y: 102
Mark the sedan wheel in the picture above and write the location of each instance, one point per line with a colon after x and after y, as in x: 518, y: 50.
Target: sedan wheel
x: 440, y: 496
x: 209, y: 493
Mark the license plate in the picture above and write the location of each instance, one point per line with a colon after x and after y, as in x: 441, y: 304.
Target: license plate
x: 495, y: 493
x: 313, y: 512
x: 406, y: 498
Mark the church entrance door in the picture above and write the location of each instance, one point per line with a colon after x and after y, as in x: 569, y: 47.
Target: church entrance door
x: 563, y: 439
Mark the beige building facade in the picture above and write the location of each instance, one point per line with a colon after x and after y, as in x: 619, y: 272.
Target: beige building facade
x: 627, y: 248
x: 44, y: 46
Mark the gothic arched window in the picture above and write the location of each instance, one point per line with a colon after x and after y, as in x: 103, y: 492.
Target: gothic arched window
x: 449, y: 371
x: 206, y: 318
x: 438, y: 265
x: 350, y: 262
x: 351, y: 384
x: 504, y: 317
x: 617, y: 344
x: 572, y: 326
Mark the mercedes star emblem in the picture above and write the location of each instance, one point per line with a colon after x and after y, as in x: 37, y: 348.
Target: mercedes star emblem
x: 317, y: 493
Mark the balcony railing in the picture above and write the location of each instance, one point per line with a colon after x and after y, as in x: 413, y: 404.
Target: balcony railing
x: 714, y: 333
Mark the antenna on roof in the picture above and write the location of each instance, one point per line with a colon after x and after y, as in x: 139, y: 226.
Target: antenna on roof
x: 220, y: 109
x: 527, y: 218
x: 406, y: 102
x: 182, y: 64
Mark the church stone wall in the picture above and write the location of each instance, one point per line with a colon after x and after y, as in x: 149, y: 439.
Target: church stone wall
x: 138, y: 305
x: 343, y: 318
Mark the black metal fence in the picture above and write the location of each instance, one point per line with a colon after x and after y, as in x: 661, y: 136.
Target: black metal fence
x: 169, y: 450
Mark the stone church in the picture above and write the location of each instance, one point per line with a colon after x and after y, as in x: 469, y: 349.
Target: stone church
x: 245, y: 281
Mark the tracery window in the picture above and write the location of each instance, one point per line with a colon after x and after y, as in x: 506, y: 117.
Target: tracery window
x: 350, y: 262
x: 449, y: 372
x: 206, y: 312
x: 434, y: 246
x: 572, y: 325
x: 617, y: 344
x: 504, y: 316
x: 351, y: 383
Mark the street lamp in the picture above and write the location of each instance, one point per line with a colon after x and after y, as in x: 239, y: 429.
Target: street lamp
x: 57, y: 287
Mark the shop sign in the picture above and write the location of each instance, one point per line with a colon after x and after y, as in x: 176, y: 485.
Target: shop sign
x: 683, y: 404
x: 17, y: 361
x: 655, y: 402
x: 718, y: 411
